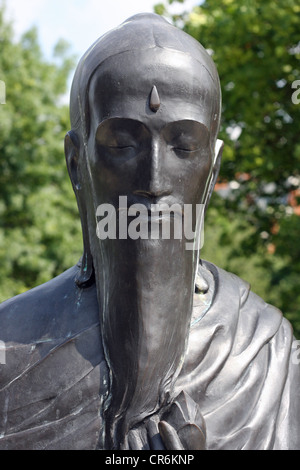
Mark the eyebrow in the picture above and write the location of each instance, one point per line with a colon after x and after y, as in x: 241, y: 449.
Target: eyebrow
x: 182, y: 121
x: 107, y: 121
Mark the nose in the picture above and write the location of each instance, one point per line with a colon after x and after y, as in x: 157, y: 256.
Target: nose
x: 157, y: 184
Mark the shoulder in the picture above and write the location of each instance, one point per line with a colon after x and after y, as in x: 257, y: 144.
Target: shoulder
x: 52, y: 370
x: 255, y: 316
x: 55, y: 309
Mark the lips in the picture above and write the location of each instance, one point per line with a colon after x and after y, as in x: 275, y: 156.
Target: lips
x: 153, y: 213
x: 152, y: 208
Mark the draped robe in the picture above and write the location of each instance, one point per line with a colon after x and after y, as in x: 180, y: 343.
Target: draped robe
x: 239, y: 367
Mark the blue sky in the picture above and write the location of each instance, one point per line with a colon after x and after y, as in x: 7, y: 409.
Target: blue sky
x: 80, y: 22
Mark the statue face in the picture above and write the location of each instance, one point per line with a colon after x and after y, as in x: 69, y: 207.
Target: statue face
x: 150, y: 156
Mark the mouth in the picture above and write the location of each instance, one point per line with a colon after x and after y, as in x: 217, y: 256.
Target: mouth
x: 153, y: 213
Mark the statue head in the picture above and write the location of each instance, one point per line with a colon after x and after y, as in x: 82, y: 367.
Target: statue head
x: 145, y: 112
x: 112, y: 88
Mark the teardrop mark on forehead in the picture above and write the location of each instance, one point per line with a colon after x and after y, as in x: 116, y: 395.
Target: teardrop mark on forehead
x: 154, y: 101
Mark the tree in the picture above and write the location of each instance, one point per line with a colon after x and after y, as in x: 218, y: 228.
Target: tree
x: 39, y: 225
x: 256, y: 48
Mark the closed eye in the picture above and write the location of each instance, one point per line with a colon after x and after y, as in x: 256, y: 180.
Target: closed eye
x: 120, y: 146
x: 185, y: 149
x: 121, y: 134
x: 186, y: 137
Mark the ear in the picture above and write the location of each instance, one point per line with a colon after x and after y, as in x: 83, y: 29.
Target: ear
x: 215, y: 170
x: 72, y: 158
x: 72, y: 151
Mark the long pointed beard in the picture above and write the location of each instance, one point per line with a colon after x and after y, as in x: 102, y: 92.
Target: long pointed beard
x: 145, y: 291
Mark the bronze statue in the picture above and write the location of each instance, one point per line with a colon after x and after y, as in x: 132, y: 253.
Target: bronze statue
x: 140, y: 345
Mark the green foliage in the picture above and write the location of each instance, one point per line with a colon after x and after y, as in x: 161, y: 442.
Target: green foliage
x: 39, y: 224
x: 160, y: 9
x: 253, y: 232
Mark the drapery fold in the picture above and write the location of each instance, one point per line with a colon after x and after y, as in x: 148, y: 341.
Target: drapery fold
x: 244, y: 380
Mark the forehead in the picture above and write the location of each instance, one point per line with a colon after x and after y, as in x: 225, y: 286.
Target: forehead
x: 121, y: 86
